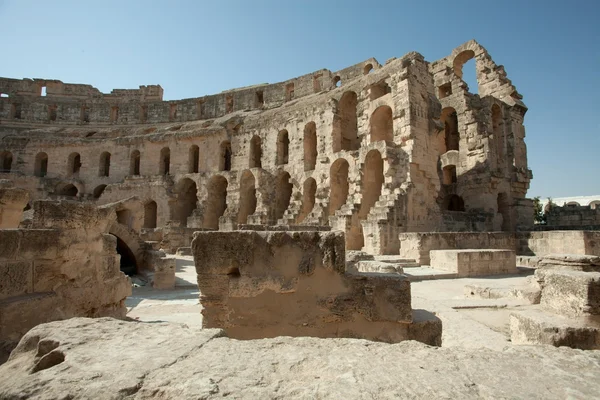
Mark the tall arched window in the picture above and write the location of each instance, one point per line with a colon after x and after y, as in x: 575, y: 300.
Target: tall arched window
x: 134, y: 163
x: 283, y: 147
x: 150, y: 214
x: 255, y: 153
x: 6, y: 159
x: 310, y: 146
x: 451, y: 134
x: 41, y: 164
x: 382, y: 125
x: 194, y: 159
x: 165, y: 161
x: 104, y: 169
x: 225, y: 160
x: 74, y: 164
x: 345, y: 124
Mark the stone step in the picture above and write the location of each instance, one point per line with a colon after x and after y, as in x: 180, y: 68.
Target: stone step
x: 378, y: 266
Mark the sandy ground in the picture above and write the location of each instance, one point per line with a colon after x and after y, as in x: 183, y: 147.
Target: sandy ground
x: 467, y: 321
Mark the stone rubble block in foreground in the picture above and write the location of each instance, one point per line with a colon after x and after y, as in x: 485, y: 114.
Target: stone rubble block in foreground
x: 111, y: 359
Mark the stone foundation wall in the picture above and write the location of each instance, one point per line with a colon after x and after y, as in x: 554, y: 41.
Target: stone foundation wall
x: 65, y: 266
x: 267, y: 284
x: 569, y: 242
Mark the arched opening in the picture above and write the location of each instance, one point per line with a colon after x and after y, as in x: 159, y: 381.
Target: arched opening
x: 337, y: 81
x: 247, y: 197
x: 125, y: 217
x: 382, y: 125
x: 74, y: 164
x: 595, y: 204
x: 225, y: 159
x: 98, y: 191
x: 367, y: 69
x: 451, y: 134
x: 504, y: 211
x: 310, y: 146
x: 498, y: 131
x: 449, y: 175
x: 150, y: 214
x: 194, y: 159
x: 465, y: 69
x: 6, y: 159
x: 216, y: 202
x: 345, y: 126
x: 165, y: 161
x: 187, y: 200
x: 41, y: 165
x: 134, y: 163
x: 338, y: 174
x: 283, y: 194
x: 128, y: 263
x: 309, y: 191
x: 68, y: 190
x: 283, y: 147
x: 573, y: 204
x: 255, y: 153
x: 104, y: 169
x: 454, y: 203
x: 372, y: 184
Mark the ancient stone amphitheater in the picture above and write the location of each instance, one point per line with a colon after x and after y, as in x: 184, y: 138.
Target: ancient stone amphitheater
x: 315, y: 207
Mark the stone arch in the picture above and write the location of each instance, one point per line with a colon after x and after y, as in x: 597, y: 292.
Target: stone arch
x: 339, y: 186
x: 573, y: 204
x: 283, y: 194
x: 98, y: 191
x: 310, y: 146
x: 150, y: 214
x: 594, y: 204
x: 309, y: 191
x: 372, y: 185
x: 165, y: 161
x: 130, y: 246
x: 345, y: 124
x: 382, y: 124
x: 247, y: 196
x: 216, y: 201
x: 367, y: 69
x: 498, y: 131
x: 74, y: 164
x: 337, y: 81
x: 187, y: 200
x: 451, y: 134
x: 454, y: 202
x: 460, y: 61
x: 104, y: 167
x: 225, y: 159
x: 193, y: 159
x: 67, y: 189
x: 255, y: 152
x: 134, y: 163
x: 41, y: 164
x: 283, y: 147
x: 6, y: 160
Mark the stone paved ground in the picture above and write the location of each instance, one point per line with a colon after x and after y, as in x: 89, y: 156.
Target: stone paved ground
x: 468, y: 321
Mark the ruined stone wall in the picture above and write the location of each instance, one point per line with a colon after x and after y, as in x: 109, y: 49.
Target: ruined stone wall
x: 268, y: 284
x: 368, y: 150
x: 573, y: 216
x: 64, y: 266
x: 567, y: 242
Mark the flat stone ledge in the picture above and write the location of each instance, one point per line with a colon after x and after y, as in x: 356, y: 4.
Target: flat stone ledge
x: 475, y: 262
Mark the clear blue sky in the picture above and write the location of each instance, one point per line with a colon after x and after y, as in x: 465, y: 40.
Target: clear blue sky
x: 551, y: 51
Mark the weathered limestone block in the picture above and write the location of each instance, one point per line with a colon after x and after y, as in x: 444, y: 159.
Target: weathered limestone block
x: 575, y: 262
x: 12, y: 203
x: 539, y: 327
x: 266, y: 284
x: 569, y: 293
x: 474, y: 262
x: 161, y: 270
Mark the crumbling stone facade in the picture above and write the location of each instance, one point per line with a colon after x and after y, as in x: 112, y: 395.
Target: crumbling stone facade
x: 372, y: 150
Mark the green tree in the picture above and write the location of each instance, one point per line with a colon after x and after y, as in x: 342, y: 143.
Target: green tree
x: 538, y: 212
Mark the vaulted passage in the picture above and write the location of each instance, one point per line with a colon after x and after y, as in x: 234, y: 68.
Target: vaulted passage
x: 382, y: 126
x: 150, y: 215
x: 216, y: 202
x: 187, y: 193
x: 255, y: 153
x: 372, y: 184
x: 128, y: 263
x: 454, y: 203
x: 310, y: 146
x: 74, y: 164
x: 98, y: 191
x: 67, y: 190
x: 308, y: 198
x: 41, y: 165
x: 345, y: 125
x: 283, y: 194
x: 6, y: 159
x: 451, y: 134
x: 247, y: 197
x: 338, y: 174
x: 283, y: 147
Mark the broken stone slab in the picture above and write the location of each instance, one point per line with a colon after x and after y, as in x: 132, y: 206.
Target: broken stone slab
x: 108, y: 359
x: 530, y: 291
x: 536, y: 326
x: 568, y: 292
x: 577, y: 262
x: 378, y: 266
